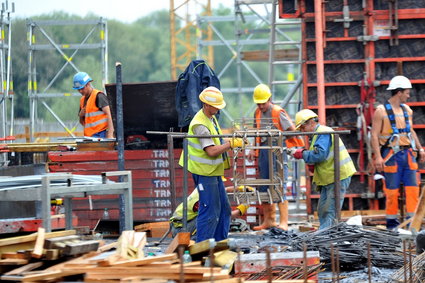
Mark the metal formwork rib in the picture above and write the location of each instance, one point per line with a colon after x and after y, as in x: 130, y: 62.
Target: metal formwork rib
x: 35, y: 95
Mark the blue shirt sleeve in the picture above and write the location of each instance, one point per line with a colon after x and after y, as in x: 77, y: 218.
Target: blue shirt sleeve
x: 321, y: 150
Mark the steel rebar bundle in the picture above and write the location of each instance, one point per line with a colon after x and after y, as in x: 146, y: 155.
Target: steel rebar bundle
x: 418, y: 271
x: 351, y: 243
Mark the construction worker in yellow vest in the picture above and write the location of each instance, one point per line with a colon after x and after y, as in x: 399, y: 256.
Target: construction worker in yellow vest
x: 269, y: 115
x: 321, y: 155
x: 207, y: 159
x: 193, y: 208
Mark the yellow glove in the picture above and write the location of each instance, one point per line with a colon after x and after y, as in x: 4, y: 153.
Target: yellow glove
x: 246, y: 189
x: 243, y: 208
x: 236, y: 142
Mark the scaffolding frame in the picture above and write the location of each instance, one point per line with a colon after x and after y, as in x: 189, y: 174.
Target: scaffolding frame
x: 34, y: 94
x: 247, y: 38
x: 6, y: 90
x: 184, y: 50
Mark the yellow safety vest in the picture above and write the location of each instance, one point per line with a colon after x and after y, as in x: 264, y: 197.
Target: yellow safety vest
x: 199, y: 162
x: 177, y: 218
x: 324, y: 171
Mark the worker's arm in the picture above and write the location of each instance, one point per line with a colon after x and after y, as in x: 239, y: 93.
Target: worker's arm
x: 377, y: 121
x: 81, y: 115
x: 320, y: 151
x: 110, y: 129
x: 216, y: 150
x: 421, y: 153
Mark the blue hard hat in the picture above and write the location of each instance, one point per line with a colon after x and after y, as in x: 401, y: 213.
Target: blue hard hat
x: 81, y: 79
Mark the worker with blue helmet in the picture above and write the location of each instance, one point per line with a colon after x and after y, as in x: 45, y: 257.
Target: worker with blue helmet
x: 95, y: 113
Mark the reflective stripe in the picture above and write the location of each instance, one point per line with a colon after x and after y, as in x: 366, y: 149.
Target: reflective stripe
x: 96, y: 123
x: 391, y: 216
x: 195, y: 145
x: 331, y: 152
x: 217, y: 161
x: 345, y: 161
x: 92, y: 114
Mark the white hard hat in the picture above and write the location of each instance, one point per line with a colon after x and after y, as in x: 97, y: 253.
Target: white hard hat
x: 399, y: 82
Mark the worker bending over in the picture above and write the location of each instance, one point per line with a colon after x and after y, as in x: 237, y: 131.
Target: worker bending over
x: 321, y: 155
x: 207, y: 159
x: 395, y: 147
x: 94, y: 113
x: 268, y: 115
x: 193, y: 208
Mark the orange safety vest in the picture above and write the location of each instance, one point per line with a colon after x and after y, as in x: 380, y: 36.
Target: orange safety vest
x: 294, y: 141
x: 95, y: 120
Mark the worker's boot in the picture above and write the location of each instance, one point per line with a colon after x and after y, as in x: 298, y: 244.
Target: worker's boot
x: 283, y: 215
x: 269, y: 214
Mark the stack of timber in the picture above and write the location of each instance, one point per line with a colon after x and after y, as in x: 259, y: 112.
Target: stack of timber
x: 124, y: 260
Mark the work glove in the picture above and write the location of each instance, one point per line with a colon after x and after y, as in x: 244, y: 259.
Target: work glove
x: 243, y: 208
x: 295, y: 153
x: 246, y: 189
x: 237, y: 142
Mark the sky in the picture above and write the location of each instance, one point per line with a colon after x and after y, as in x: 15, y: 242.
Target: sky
x: 123, y: 10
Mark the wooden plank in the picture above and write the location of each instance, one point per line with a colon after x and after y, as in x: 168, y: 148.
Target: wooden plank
x: 49, y: 275
x: 80, y: 247
x: 13, y: 255
x: 52, y: 254
x: 39, y: 243
x: 25, y: 268
x: 13, y: 261
x: 419, y: 213
x: 33, y: 237
x: 52, y: 242
x: 144, y: 261
x: 181, y: 239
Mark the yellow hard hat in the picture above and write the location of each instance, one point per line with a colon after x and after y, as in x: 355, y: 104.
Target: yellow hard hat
x: 262, y: 94
x: 212, y: 96
x: 303, y: 116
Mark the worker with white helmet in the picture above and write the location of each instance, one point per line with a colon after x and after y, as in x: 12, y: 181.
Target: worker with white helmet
x: 395, y: 147
x: 95, y: 114
x: 320, y: 157
x: 269, y: 115
x: 207, y: 160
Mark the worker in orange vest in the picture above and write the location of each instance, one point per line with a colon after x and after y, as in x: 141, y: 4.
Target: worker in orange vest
x: 395, y: 147
x: 269, y: 115
x: 95, y: 114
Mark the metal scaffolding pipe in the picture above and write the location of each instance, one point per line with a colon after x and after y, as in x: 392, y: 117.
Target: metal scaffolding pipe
x: 320, y: 69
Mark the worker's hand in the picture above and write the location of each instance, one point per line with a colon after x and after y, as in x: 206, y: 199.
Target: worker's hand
x: 251, y: 155
x: 296, y: 153
x: 246, y: 189
x: 236, y: 142
x: 243, y: 208
x: 378, y: 162
x: 421, y: 156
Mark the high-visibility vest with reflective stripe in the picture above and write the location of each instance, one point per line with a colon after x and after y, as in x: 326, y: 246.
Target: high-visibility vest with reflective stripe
x: 276, y: 110
x: 387, y: 131
x: 199, y: 162
x: 324, y: 171
x: 177, y: 218
x: 95, y: 120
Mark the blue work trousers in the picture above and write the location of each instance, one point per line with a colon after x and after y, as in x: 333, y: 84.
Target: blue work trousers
x: 326, y: 207
x: 214, y: 209
x: 263, y: 166
x: 101, y: 134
